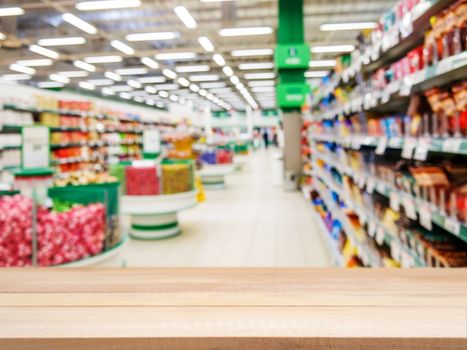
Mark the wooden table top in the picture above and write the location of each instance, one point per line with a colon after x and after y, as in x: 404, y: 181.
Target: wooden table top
x: 172, y: 309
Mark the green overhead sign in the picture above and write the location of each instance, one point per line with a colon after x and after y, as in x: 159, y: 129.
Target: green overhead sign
x: 292, y: 56
x: 290, y: 95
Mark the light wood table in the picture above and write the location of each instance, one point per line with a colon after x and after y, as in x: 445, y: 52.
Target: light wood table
x: 244, y: 309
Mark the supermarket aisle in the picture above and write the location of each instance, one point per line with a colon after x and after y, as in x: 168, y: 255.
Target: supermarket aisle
x: 251, y: 223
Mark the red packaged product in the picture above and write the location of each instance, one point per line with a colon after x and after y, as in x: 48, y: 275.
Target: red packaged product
x: 142, y: 181
x: 224, y: 157
x: 416, y: 59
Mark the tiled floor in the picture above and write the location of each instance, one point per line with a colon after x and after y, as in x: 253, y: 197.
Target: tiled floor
x: 253, y: 222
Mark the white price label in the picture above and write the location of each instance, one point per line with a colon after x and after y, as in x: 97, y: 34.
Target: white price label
x: 382, y: 144
x: 370, y: 184
x: 362, y: 216
x: 371, y: 228
x: 425, y: 216
x: 421, y: 152
x: 452, y: 145
x: 408, y: 148
x: 406, y: 86
x: 409, y: 207
x: 361, y: 181
x: 394, y: 201
x: 452, y: 225
x: 152, y: 141
x: 380, y: 236
x: 396, y: 250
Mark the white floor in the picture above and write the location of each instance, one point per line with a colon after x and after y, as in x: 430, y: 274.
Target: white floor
x: 253, y: 222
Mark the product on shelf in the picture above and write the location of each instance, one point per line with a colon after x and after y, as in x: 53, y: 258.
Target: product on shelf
x: 177, y: 178
x: 142, y: 181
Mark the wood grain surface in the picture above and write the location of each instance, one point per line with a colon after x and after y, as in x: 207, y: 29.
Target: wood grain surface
x: 171, y: 309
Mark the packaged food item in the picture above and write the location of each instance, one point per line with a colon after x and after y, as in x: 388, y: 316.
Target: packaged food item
x: 177, y: 178
x: 141, y: 181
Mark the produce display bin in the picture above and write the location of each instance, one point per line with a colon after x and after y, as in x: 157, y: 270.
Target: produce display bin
x: 213, y: 175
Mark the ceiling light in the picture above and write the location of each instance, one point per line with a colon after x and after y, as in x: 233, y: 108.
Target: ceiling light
x: 87, y: 86
x: 113, y: 76
x: 125, y: 95
x: 49, y: 84
x: 62, y: 41
x: 174, y: 98
x: 245, y: 31
x: 120, y: 46
x: 150, y: 102
x: 59, y: 78
x: 203, y: 92
x: 85, y: 66
x: 204, y: 77
x: 11, y: 11
x: 167, y: 87
x: 74, y: 74
x: 163, y: 94
x: 101, y: 82
x: 150, y: 89
x: 169, y: 73
x: 135, y: 84
x: 263, y: 89
x: 194, y: 87
x: 131, y: 71
x: 122, y: 88
x: 219, y: 59
x: 234, y: 79
x: 22, y: 69
x: 228, y: 71
x: 206, y: 43
x: 252, y: 52
x: 220, y: 90
x: 152, y: 80
x: 108, y: 91
x: 79, y: 23
x: 253, y: 76
x: 185, y: 17
x: 138, y: 99
x: 150, y: 62
x: 44, y: 52
x: 175, y: 56
x: 183, y: 82
x: 262, y: 83
x: 192, y: 69
x: 212, y: 85
x: 259, y: 65
x: 15, y: 77
x: 322, y: 63
x: 151, y: 36
x: 106, y: 4
x: 35, y: 63
x: 348, y: 26
x: 160, y: 105
x: 316, y: 74
x: 103, y: 59
x: 332, y: 48
x: 239, y: 86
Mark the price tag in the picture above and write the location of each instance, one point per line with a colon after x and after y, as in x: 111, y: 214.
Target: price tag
x: 406, y: 259
x: 382, y: 144
x: 364, y: 256
x: 409, y: 207
x: 452, y: 225
x: 408, y: 148
x: 394, y: 200
x: 425, y: 216
x: 421, y: 152
x: 452, y: 145
x: 152, y: 141
x: 385, y: 96
x: 380, y: 236
x: 370, y: 184
x: 371, y: 228
x: 396, y: 250
x: 361, y: 181
x: 362, y: 216
x: 35, y: 147
x: 406, y: 86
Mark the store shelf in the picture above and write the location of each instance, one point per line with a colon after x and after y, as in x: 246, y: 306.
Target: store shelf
x: 331, y: 245
x: 10, y: 129
x: 95, y: 144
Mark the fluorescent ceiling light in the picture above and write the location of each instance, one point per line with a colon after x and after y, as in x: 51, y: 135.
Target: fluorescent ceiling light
x: 228, y: 71
x: 167, y: 87
x: 59, y: 78
x: 194, y: 87
x: 253, y: 76
x: 169, y: 73
x: 135, y: 84
x: 245, y: 31
x: 87, y: 86
x: 36, y: 63
x: 262, y: 83
x: 22, y: 69
x: 239, y: 86
x: 220, y: 90
x: 316, y: 74
x: 62, y: 41
x: 106, y: 4
x: 138, y: 99
x: 212, y: 85
x: 113, y: 76
x: 125, y: 95
x: 101, y: 82
x: 152, y: 80
x: 49, y: 84
x: 104, y: 59
x: 120, y: 46
x: 175, y: 56
x: 15, y: 77
x: 131, y: 71
x: 252, y: 52
x: 183, y: 82
x: 348, y: 26
x: 206, y: 43
x: 150, y: 89
x: 74, y: 74
x: 79, y: 23
x: 108, y: 91
x: 204, y: 77
x: 258, y: 65
x: 174, y: 98
x: 234, y: 79
x: 263, y: 89
x: 322, y: 63
x: 150, y: 102
x: 152, y: 36
x: 44, y: 52
x: 150, y: 62
x: 332, y: 48
x: 85, y: 66
x: 219, y: 59
x: 160, y: 105
x: 163, y: 94
x: 192, y: 69
x: 121, y: 88
x: 185, y: 17
x: 203, y: 92
x: 11, y: 11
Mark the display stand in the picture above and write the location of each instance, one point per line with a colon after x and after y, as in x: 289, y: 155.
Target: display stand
x: 213, y: 175
x: 155, y: 217
x: 240, y: 162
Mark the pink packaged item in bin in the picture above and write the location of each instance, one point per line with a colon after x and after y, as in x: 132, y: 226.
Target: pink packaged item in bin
x: 142, y: 181
x: 224, y: 156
